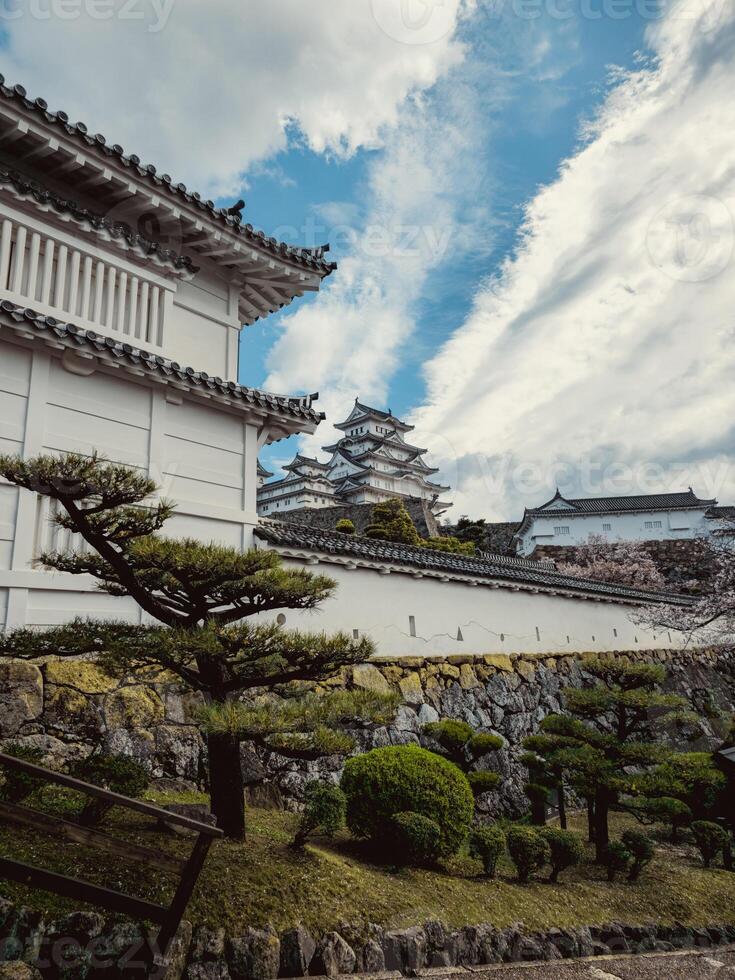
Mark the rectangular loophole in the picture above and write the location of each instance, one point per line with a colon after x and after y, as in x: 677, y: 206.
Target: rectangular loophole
x: 412, y: 625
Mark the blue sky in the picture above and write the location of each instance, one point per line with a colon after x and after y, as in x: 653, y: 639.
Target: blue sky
x: 536, y: 128
x: 532, y: 203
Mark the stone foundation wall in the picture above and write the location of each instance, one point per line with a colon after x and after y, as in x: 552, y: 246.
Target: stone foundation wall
x: 67, y: 708
x: 84, y: 945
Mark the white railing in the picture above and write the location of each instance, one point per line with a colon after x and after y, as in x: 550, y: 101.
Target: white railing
x: 53, y: 276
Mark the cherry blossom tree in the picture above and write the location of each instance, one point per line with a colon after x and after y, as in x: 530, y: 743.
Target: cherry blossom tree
x: 710, y: 618
x: 620, y: 562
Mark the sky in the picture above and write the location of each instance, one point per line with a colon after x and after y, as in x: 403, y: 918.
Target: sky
x: 532, y: 204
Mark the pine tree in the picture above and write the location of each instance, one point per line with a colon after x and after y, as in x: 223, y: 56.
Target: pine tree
x: 199, y: 596
x: 392, y: 522
x: 462, y: 745
x: 606, y: 743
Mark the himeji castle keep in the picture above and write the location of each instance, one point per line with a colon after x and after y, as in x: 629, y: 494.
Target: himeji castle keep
x: 373, y: 461
x: 122, y: 297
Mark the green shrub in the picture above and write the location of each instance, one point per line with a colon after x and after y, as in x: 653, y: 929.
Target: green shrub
x: 118, y: 773
x: 324, y: 810
x: 17, y: 786
x: 483, y: 744
x: 617, y: 859
x: 669, y: 810
x: 641, y: 848
x: 565, y: 849
x: 528, y: 850
x: 710, y: 838
x: 451, y: 734
x: 416, y: 839
x: 345, y: 526
x: 487, y: 844
x: 403, y: 778
x: 483, y: 781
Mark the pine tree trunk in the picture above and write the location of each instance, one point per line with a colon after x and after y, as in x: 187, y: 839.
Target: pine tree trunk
x: 226, y: 785
x: 562, y: 806
x: 602, y: 828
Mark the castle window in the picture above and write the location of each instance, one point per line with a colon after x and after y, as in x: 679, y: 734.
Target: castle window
x: 412, y: 625
x: 652, y: 525
x: 607, y: 527
x: 562, y: 530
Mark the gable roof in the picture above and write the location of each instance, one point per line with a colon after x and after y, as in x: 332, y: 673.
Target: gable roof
x: 631, y: 504
x: 492, y: 567
x: 26, y: 321
x: 361, y: 411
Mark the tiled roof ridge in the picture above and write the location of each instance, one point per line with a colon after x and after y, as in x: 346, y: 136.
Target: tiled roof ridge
x: 26, y: 187
x: 687, y: 498
x: 298, y: 406
x: 498, y: 566
x: 312, y: 258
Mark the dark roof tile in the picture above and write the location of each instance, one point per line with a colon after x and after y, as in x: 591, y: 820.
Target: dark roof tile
x: 297, y: 406
x: 513, y: 570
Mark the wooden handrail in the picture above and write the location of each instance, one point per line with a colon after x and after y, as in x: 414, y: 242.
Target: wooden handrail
x: 50, y: 776
x: 169, y: 918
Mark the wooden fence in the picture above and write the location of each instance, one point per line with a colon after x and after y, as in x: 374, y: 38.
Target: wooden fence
x: 187, y: 870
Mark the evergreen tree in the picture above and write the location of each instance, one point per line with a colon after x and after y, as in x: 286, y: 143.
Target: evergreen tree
x: 606, y: 741
x: 458, y: 742
x: 199, y: 596
x: 392, y: 522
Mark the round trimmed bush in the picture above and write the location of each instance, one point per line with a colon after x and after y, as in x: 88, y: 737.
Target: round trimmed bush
x: 710, y: 838
x: 641, y: 847
x: 487, y: 844
x: 565, y: 849
x: 384, y: 782
x: 528, y: 850
x: 416, y: 839
x: 617, y: 859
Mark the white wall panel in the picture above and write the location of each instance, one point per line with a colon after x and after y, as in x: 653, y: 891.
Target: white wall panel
x: 101, y: 395
x: 204, y: 529
x: 68, y: 430
x: 3, y: 607
x: 48, y: 607
x: 201, y: 492
x: 8, y: 512
x: 196, y: 461
x: 204, y: 424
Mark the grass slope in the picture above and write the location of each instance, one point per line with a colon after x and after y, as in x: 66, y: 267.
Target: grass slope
x: 263, y: 881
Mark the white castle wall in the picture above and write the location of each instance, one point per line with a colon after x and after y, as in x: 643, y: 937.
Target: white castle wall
x: 391, y: 608
x: 204, y: 457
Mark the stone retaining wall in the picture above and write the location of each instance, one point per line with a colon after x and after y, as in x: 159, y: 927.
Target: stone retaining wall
x: 83, y: 943
x: 68, y: 707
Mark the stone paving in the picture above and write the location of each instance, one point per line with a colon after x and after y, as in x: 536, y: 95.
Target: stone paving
x: 711, y: 964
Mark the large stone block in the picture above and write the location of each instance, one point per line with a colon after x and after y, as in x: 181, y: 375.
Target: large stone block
x: 21, y: 696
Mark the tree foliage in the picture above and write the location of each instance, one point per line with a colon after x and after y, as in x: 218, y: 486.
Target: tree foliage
x: 324, y: 811
x: 612, y: 735
x: 462, y: 745
x: 392, y: 522
x: 198, y: 595
x: 487, y: 844
x: 711, y: 616
x: 621, y: 562
x: 528, y: 850
x: 565, y: 850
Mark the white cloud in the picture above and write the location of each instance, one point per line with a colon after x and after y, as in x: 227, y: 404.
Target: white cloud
x: 601, y: 356
x: 206, y: 89
x: 421, y: 204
